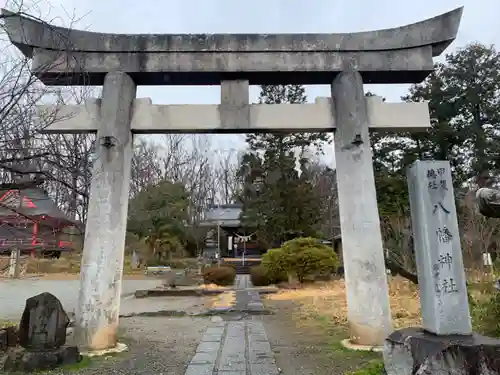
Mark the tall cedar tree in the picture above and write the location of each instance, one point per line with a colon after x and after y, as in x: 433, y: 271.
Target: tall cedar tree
x: 279, y: 202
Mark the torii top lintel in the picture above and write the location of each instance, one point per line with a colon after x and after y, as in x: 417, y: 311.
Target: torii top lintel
x: 64, y: 56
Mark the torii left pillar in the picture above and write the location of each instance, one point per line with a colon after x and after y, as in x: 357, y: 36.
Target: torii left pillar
x: 103, y: 251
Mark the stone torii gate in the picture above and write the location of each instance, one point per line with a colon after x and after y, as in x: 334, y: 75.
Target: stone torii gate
x: 120, y: 62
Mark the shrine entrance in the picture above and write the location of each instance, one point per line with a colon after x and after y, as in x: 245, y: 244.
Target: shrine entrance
x: 121, y: 62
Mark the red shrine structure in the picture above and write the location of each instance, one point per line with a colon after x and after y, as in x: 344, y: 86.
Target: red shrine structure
x: 31, y: 221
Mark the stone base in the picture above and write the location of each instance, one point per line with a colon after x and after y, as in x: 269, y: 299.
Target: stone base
x: 363, y: 348
x: 22, y: 360
x: 414, y: 351
x: 119, y: 348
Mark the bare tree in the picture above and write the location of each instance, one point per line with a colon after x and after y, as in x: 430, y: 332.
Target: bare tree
x: 147, y: 168
x: 324, y: 181
x: 226, y: 179
x: 27, y: 157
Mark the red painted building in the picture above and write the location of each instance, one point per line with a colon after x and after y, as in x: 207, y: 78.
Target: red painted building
x: 31, y: 221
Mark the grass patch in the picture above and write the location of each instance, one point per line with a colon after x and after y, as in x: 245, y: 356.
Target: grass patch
x: 66, y: 369
x: 327, y: 299
x: 338, y: 333
x: 375, y: 367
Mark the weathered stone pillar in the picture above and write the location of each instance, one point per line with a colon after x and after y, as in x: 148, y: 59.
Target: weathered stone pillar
x: 234, y: 106
x: 365, y: 274
x: 102, y: 261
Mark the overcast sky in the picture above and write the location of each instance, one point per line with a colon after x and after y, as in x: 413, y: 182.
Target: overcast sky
x: 479, y: 23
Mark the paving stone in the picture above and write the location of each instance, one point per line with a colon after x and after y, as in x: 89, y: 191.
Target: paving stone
x: 199, y: 370
x: 263, y: 369
x: 208, y: 347
x: 204, y: 358
x: 260, y: 354
x: 211, y: 338
x: 232, y: 366
x: 215, y: 330
x: 242, y: 347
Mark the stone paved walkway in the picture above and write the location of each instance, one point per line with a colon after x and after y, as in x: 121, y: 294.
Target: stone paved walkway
x: 242, y: 282
x: 238, y: 346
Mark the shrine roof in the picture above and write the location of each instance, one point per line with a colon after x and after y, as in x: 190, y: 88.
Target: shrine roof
x: 36, y: 202
x: 226, y: 215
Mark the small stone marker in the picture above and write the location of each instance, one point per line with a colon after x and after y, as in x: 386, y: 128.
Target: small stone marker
x: 441, y: 275
x: 43, y: 323
x: 42, y: 335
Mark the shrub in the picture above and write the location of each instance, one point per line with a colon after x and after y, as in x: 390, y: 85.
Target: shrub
x: 312, y: 262
x: 223, y: 276
x: 259, y: 276
x: 302, y: 257
x: 275, y: 263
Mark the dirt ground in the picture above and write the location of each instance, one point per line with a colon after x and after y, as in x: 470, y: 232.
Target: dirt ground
x: 158, y: 345
x: 306, y: 346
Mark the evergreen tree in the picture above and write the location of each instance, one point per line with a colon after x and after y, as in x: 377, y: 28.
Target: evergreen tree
x: 464, y: 103
x: 279, y: 201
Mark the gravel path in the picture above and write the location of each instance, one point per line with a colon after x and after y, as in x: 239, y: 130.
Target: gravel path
x: 157, y: 346
x: 13, y: 293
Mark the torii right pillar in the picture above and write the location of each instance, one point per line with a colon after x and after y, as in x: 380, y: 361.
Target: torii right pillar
x: 369, y: 312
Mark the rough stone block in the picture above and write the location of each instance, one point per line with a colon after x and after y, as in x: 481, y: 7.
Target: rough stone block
x: 414, y: 351
x: 19, y: 359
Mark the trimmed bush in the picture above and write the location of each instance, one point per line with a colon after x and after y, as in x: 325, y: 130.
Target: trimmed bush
x: 275, y: 263
x: 302, y: 257
x: 259, y: 276
x: 313, y: 262
x: 223, y: 276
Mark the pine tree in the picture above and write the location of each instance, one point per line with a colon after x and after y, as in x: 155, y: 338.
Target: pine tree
x: 279, y: 201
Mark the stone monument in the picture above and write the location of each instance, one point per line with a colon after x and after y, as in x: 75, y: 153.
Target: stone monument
x: 120, y: 62
x: 42, y: 336
x: 445, y: 343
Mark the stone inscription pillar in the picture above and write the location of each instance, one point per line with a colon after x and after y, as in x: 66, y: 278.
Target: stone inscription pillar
x: 365, y: 273
x: 438, y: 252
x: 102, y: 261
